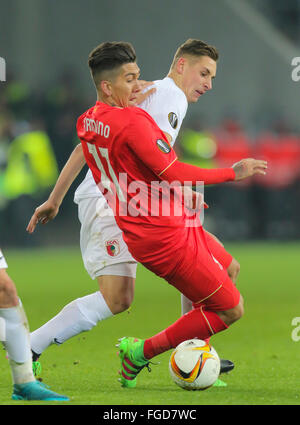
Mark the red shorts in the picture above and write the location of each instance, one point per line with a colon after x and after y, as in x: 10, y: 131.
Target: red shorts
x: 218, y: 251
x: 188, y: 265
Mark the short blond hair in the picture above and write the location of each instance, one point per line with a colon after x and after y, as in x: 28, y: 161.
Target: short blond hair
x: 195, y: 48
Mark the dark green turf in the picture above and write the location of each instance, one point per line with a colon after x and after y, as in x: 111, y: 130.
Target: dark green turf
x: 86, y: 368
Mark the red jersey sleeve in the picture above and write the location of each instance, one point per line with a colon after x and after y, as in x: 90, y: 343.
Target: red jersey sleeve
x: 149, y: 143
x: 187, y: 172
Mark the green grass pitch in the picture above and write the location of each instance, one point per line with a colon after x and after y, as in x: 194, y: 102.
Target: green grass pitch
x: 86, y: 367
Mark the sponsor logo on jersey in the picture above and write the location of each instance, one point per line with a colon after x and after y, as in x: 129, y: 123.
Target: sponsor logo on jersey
x: 112, y: 247
x: 173, y: 120
x: 163, y: 146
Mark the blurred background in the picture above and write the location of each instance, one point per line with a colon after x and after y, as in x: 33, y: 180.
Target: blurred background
x: 253, y: 109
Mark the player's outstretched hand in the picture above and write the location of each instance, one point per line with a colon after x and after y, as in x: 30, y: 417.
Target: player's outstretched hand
x: 248, y: 167
x: 141, y: 96
x: 42, y: 214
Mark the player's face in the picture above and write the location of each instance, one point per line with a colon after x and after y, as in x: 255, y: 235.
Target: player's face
x: 197, y: 76
x: 126, y: 85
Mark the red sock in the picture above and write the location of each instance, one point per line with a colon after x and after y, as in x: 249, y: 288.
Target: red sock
x: 198, y: 323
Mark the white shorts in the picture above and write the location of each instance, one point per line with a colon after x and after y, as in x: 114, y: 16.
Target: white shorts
x: 103, y: 249
x: 3, y: 264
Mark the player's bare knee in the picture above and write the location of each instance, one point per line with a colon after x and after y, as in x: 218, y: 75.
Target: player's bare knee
x: 118, y: 292
x: 238, y: 312
x: 125, y: 302
x: 234, y: 270
x: 121, y: 303
x: 232, y: 315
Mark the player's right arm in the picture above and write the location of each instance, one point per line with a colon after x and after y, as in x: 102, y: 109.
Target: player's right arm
x: 239, y: 171
x: 49, y: 209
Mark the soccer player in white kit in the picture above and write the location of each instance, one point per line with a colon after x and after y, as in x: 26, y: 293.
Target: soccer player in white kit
x: 14, y: 335
x: 104, y: 252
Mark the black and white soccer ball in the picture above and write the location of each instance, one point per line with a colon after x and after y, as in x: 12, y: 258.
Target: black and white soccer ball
x: 194, y: 365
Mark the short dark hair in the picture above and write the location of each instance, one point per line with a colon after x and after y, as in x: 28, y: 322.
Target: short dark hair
x: 194, y: 47
x: 109, y: 57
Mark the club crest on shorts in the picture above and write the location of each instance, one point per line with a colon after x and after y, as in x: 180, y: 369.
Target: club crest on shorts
x: 112, y: 247
x: 173, y: 120
x: 163, y: 146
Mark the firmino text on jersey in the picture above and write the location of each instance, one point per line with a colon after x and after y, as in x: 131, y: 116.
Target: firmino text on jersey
x: 96, y: 126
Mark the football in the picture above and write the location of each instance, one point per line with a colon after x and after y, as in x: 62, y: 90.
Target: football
x: 194, y: 365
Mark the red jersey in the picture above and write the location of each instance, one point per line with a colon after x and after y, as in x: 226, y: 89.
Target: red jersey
x: 129, y: 157
x: 127, y: 153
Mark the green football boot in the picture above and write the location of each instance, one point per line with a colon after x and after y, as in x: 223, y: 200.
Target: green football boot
x: 36, y: 368
x: 36, y: 365
x: 226, y: 366
x: 219, y: 383
x: 132, y: 360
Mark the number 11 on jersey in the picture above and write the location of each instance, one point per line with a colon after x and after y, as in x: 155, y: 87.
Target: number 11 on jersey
x: 105, y: 180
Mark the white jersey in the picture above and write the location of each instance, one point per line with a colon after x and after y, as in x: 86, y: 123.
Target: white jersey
x: 167, y: 106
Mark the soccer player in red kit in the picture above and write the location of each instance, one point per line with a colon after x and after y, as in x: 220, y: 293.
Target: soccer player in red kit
x: 134, y: 166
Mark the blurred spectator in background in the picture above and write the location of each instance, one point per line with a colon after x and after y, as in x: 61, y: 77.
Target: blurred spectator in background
x: 30, y: 170
x: 232, y: 201
x: 284, y: 15
x: 197, y: 146
x: 60, y: 105
x: 277, y: 195
x: 37, y: 134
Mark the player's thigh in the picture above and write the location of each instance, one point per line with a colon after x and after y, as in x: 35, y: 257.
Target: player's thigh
x: 101, y: 240
x: 215, y: 289
x: 201, y: 278
x: 218, y: 251
x: 222, y: 256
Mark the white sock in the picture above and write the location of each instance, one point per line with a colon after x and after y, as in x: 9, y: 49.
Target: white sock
x: 186, y: 305
x: 17, y: 343
x: 76, y: 317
